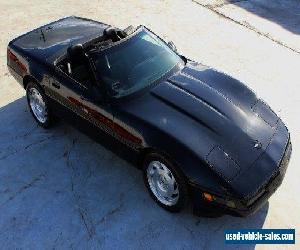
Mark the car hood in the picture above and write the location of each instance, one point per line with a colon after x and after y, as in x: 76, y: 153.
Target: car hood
x: 241, y: 125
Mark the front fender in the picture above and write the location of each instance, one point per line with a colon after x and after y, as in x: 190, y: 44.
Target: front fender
x: 193, y: 166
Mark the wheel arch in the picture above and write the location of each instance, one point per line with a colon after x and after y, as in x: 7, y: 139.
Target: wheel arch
x: 149, y: 150
x: 27, y: 79
x: 191, y: 167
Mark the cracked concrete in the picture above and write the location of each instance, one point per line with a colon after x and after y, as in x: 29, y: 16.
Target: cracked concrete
x: 22, y: 189
x: 70, y: 192
x: 283, y: 27
x: 217, y: 3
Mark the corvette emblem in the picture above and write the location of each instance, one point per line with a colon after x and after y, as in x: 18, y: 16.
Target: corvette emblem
x: 257, y: 145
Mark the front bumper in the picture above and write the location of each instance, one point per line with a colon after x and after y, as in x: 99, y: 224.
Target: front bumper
x: 243, y: 207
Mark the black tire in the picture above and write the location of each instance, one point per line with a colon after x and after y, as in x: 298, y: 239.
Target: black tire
x: 182, y: 186
x: 48, y: 121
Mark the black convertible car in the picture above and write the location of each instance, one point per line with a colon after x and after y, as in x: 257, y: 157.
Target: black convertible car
x: 197, y: 133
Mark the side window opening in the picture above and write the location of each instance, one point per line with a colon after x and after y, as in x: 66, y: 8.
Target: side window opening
x: 76, y: 70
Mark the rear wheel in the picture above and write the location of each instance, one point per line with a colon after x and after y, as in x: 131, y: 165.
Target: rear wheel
x: 165, y: 183
x: 38, y: 104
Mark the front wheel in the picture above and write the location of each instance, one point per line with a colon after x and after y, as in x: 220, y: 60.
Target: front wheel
x: 38, y: 104
x: 165, y: 183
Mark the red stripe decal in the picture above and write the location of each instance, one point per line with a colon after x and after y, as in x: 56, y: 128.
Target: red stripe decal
x: 118, y: 129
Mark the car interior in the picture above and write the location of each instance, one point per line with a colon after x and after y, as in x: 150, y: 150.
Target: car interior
x: 76, y: 62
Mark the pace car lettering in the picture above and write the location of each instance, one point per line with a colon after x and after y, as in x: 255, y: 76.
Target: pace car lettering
x: 96, y: 115
x: 120, y: 132
x: 126, y: 135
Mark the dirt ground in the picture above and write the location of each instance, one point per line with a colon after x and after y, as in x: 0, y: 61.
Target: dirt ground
x: 59, y: 189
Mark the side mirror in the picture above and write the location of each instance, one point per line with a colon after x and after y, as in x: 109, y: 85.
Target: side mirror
x: 75, y: 53
x: 172, y: 46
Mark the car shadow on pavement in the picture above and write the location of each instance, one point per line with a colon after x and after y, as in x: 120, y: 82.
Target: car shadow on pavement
x: 63, y: 190
x: 284, y: 13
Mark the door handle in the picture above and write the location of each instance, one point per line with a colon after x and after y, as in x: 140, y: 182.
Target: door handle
x: 56, y: 85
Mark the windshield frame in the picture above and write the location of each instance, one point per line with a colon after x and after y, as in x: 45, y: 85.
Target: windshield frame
x: 139, y: 29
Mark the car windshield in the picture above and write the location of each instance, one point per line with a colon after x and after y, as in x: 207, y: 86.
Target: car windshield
x: 134, y: 64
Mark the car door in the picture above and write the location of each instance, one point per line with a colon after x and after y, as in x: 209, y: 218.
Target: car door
x: 78, y: 97
x: 123, y: 130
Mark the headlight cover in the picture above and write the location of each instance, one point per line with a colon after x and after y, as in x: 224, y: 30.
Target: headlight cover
x: 222, y: 163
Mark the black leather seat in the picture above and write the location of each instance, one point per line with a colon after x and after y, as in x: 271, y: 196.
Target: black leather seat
x: 78, y: 60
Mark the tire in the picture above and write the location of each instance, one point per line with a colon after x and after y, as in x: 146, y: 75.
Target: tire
x: 156, y: 184
x: 39, y: 108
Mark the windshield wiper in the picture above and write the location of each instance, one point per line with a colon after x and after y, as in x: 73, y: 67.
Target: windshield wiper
x: 184, y: 59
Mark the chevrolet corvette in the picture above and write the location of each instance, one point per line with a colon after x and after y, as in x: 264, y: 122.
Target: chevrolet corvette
x: 198, y: 135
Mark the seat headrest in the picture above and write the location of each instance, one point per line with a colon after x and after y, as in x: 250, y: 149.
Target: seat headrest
x: 75, y: 53
x: 114, y: 34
